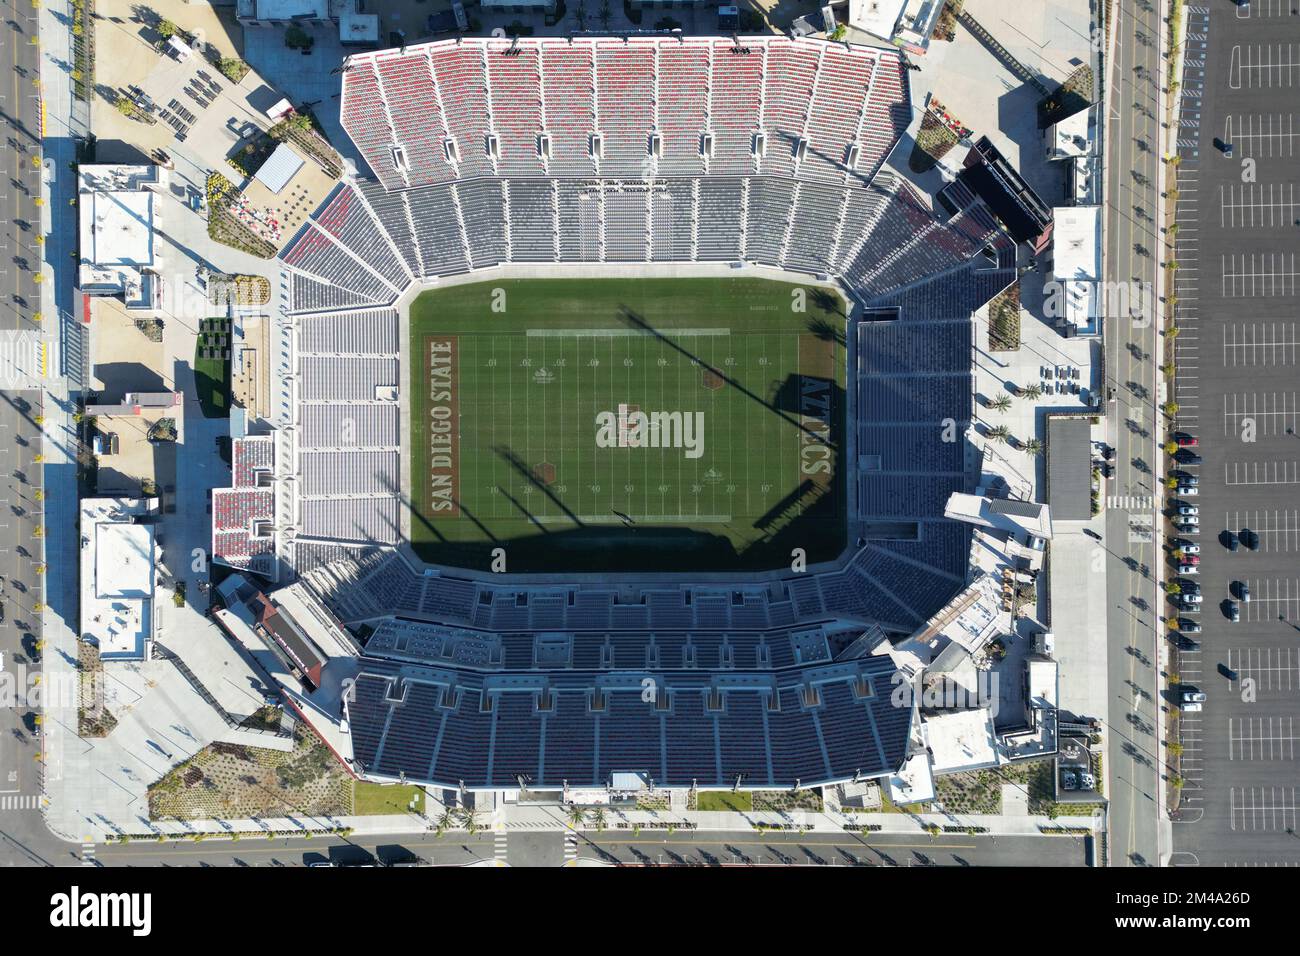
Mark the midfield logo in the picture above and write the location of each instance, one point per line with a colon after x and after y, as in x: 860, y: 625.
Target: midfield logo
x: 630, y: 427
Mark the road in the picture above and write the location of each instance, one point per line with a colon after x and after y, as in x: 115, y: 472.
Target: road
x: 21, y: 511
x: 20, y: 255
x: 1131, y: 252
x: 553, y: 848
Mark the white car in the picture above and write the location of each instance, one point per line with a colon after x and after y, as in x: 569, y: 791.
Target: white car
x: 1186, y: 490
x: 1189, y: 548
x: 1189, y: 510
x: 1188, y: 569
x: 1191, y: 599
x: 1191, y: 521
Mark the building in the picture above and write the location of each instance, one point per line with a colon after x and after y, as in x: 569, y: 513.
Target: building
x: 1069, y: 467
x: 119, y: 563
x: 904, y: 23
x: 1076, y: 269
x: 279, y: 168
x: 989, y: 175
x: 118, y: 218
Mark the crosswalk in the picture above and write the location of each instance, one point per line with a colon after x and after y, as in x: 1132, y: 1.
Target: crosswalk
x: 20, y: 801
x: 88, y: 854
x: 502, y: 847
x: 570, y: 847
x: 1131, y: 502
x: 24, y: 359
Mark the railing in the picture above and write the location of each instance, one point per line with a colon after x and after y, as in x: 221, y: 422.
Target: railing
x: 231, y: 720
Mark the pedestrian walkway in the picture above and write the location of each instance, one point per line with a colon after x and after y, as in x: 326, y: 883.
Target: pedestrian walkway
x: 20, y: 801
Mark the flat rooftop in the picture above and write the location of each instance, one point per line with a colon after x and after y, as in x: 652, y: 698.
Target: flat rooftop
x: 117, y: 563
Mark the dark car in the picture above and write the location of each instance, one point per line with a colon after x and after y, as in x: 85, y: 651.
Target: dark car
x: 1234, y: 612
x: 1188, y: 627
x: 1231, y: 541
x: 1185, y: 457
x: 1250, y: 538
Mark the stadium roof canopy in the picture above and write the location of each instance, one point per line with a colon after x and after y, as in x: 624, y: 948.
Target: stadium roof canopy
x: 1069, y: 473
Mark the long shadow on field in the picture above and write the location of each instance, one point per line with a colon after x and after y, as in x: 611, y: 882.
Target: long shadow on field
x: 524, y: 471
x: 635, y: 320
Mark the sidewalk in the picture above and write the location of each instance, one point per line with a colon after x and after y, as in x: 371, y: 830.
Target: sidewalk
x: 555, y: 819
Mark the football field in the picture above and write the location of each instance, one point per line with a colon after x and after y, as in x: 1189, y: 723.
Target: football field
x: 613, y: 424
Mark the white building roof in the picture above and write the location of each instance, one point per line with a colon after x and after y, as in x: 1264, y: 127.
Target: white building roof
x: 290, y: 9
x: 124, y: 560
x: 1076, y: 243
x: 877, y: 17
x: 1071, y: 136
x: 117, y: 219
x: 913, y: 783
x: 118, y: 562
x: 961, y: 740
x: 280, y: 167
x: 1003, y: 514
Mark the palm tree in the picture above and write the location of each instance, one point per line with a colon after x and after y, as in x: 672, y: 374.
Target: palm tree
x: 1032, y: 392
x: 1001, y: 404
x: 576, y: 816
x: 1033, y: 447
x: 469, y: 817
x: 445, y: 820
x: 598, y: 818
x: 1000, y: 433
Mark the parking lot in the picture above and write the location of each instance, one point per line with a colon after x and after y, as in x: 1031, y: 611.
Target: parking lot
x: 1236, y: 247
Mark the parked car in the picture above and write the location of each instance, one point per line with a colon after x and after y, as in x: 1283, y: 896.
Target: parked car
x: 1242, y: 590
x: 1190, y: 587
x: 1251, y: 539
x: 1233, y: 542
x: 1234, y: 612
x: 1191, y: 559
x: 1188, y: 569
x: 1193, y: 696
x: 1189, y: 627
x: 1190, y: 525
x: 1188, y: 480
x: 1187, y: 547
x: 1188, y: 458
x: 1186, y: 441
x: 1188, y: 490
x: 1191, y: 599
x: 1193, y: 708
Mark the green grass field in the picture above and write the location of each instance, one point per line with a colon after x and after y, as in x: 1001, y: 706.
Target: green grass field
x: 663, y: 424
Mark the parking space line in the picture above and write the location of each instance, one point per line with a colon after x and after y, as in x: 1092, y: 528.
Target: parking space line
x: 1270, y: 414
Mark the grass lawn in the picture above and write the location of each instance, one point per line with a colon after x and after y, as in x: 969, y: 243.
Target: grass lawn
x: 739, y: 802
x: 212, y: 375
x: 612, y: 424
x: 370, y: 799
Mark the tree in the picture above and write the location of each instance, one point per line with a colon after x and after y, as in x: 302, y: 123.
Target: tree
x: 166, y: 29
x: 1176, y: 749
x: 445, y: 821
x: 598, y: 818
x: 1032, y: 392
x: 1034, y: 447
x: 1001, y: 404
x: 1173, y: 587
x: 1170, y: 408
x: 1171, y: 448
x: 576, y: 816
x: 999, y: 433
x: 1172, y: 332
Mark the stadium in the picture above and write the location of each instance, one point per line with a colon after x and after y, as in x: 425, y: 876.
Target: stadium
x: 554, y: 230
